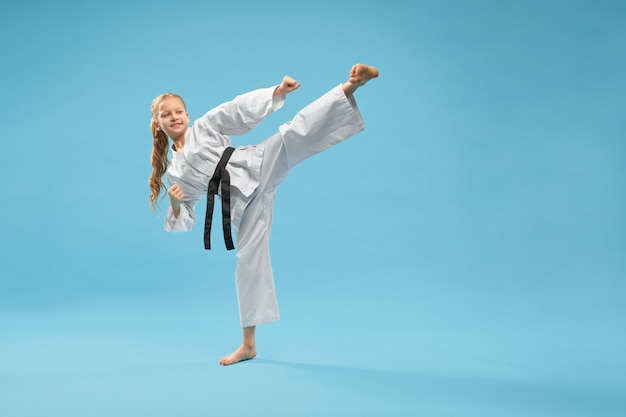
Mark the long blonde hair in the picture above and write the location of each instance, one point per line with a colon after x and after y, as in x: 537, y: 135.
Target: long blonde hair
x: 158, y: 158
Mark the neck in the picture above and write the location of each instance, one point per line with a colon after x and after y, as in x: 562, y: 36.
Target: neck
x: 179, y: 143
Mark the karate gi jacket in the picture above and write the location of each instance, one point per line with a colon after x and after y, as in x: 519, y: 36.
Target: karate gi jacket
x: 205, y: 141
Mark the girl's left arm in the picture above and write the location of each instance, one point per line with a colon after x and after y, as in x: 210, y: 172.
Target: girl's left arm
x: 245, y: 111
x: 286, y: 86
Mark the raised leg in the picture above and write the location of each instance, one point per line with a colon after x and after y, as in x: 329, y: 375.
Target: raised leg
x: 322, y: 124
x: 359, y: 75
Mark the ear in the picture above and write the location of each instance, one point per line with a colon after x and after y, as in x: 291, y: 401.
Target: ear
x: 155, y: 124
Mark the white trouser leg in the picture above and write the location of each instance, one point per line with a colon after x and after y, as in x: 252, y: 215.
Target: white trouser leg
x: 330, y: 119
x: 327, y: 121
x: 254, y: 277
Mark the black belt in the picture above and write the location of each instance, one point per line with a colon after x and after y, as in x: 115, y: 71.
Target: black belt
x: 219, y: 176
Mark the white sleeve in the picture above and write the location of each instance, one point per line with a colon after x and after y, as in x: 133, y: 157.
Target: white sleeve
x: 244, y: 112
x: 185, y: 220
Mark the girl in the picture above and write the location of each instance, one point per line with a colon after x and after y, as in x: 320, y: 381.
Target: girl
x: 246, y: 177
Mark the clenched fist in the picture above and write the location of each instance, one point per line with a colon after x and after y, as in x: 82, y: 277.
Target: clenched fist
x: 286, y: 86
x: 176, y: 193
x: 176, y: 197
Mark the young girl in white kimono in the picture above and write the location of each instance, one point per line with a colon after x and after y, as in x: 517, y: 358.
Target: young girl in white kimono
x: 254, y: 173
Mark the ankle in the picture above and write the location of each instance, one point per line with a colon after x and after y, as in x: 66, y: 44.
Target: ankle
x: 349, y: 88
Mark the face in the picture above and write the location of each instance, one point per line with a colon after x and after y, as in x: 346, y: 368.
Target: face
x: 172, y: 117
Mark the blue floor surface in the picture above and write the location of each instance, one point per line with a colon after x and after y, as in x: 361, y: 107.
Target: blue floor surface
x: 161, y: 360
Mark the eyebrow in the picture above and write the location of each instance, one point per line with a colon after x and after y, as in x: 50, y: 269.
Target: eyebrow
x: 173, y: 109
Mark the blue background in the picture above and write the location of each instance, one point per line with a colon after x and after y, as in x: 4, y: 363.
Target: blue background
x: 464, y: 256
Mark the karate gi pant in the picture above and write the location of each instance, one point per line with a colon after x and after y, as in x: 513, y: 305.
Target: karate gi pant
x: 327, y: 121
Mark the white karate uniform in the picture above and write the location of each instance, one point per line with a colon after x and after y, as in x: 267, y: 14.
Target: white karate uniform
x: 255, y: 172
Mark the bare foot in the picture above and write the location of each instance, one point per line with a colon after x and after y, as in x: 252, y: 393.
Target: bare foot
x: 242, y: 354
x: 361, y: 73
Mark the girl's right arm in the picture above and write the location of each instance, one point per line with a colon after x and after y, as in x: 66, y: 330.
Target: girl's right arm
x: 176, y: 198
x: 180, y: 214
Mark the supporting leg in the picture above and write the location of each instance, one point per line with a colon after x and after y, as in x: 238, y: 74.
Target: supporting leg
x: 322, y: 124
